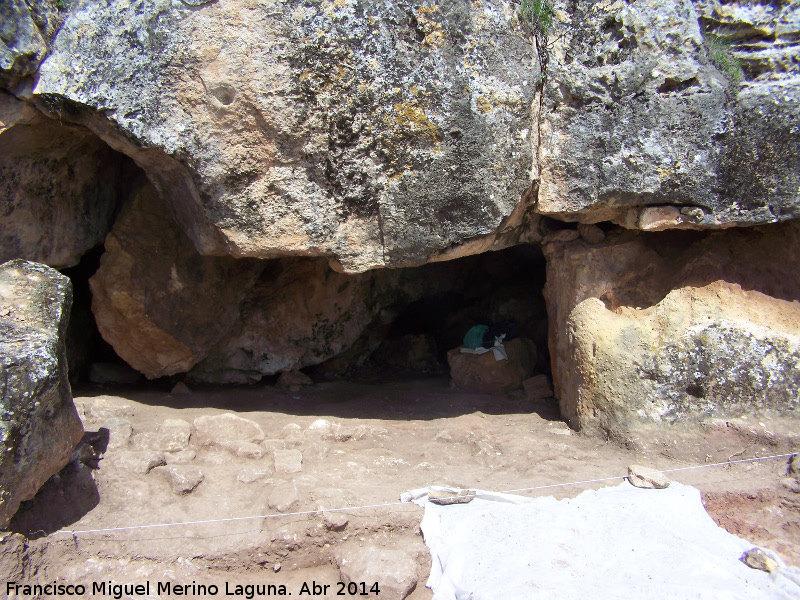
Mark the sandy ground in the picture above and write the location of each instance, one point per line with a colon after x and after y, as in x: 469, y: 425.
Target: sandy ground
x: 380, y: 439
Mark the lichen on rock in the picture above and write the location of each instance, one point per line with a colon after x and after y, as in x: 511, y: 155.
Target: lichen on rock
x: 371, y: 133
x: 636, y: 116
x: 39, y: 427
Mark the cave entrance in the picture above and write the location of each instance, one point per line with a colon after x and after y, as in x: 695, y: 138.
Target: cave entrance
x: 62, y: 189
x: 228, y: 320
x: 438, y: 304
x: 90, y: 358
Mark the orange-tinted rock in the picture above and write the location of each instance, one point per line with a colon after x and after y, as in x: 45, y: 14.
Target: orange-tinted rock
x: 484, y: 373
x: 159, y: 303
x: 667, y: 327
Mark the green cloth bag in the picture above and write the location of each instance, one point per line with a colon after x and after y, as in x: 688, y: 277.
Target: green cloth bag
x: 474, y: 337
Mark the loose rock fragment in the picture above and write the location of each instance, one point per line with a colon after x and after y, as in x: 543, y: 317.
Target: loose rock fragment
x: 288, y: 380
x: 180, y: 389
x: 141, y: 462
x: 561, y: 236
x: 334, y: 521
x: 108, y: 407
x: 284, y: 497
x: 180, y: 458
x: 590, y: 233
x: 444, y: 498
x: 183, y: 479
x: 394, y: 570
x: 644, y: 477
x: 792, y: 484
x: 288, y: 461
x: 272, y: 445
x: 757, y: 558
x: 250, y: 474
x: 245, y: 450
x: 320, y: 425
x: 172, y: 435
x: 484, y: 373
x: 119, y: 432
x: 292, y: 431
x: 221, y: 430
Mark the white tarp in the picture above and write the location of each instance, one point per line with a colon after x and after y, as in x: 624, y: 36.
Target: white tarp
x: 615, y: 543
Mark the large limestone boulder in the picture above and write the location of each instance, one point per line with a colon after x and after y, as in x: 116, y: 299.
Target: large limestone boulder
x: 40, y: 426
x: 374, y: 133
x: 664, y: 327
x: 161, y: 305
x: 388, y: 134
x: 59, y: 187
x: 645, y: 125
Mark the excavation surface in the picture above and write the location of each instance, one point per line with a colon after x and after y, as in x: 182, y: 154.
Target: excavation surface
x: 347, y: 446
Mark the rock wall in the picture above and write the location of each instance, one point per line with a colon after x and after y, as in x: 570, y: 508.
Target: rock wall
x: 296, y: 149
x: 391, y: 134
x: 60, y: 187
x: 161, y: 305
x: 663, y: 327
x: 641, y: 127
x: 372, y: 133
x: 39, y: 427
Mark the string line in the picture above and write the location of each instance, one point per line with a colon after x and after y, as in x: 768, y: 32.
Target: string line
x: 355, y: 508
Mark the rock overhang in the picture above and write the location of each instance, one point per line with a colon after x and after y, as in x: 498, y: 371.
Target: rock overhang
x: 372, y: 133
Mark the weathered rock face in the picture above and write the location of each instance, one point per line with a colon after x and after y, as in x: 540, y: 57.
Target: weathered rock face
x: 39, y: 426
x: 373, y: 133
x: 299, y: 313
x: 390, y: 134
x: 639, y: 126
x: 662, y: 328
x: 25, y: 29
x: 59, y: 187
x: 161, y: 305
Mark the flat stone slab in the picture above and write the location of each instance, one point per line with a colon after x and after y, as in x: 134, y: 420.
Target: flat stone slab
x: 183, y: 479
x: 288, y: 461
x: 393, y: 570
x: 647, y: 478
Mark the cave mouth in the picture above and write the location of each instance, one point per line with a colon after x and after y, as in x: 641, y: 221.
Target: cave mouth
x: 62, y: 189
x: 382, y: 325
x: 426, y: 312
x: 411, y: 339
x: 90, y: 358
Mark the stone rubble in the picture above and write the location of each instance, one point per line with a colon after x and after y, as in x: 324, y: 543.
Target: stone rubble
x: 288, y: 461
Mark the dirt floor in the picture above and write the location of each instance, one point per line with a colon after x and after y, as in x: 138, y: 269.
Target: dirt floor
x: 345, y: 445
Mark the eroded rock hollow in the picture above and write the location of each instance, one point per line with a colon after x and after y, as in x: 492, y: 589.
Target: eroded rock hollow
x: 267, y: 183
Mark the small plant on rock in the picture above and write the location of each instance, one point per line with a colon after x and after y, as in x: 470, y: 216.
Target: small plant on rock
x: 536, y: 17
x: 721, y: 55
x: 538, y: 14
